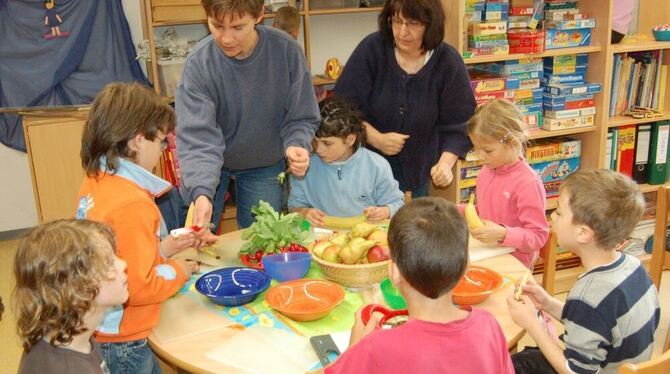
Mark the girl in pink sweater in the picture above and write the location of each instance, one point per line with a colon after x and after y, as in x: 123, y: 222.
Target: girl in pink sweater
x: 510, y: 196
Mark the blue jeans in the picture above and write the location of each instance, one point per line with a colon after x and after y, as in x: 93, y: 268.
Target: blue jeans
x: 251, y: 185
x: 130, y: 357
x: 421, y: 191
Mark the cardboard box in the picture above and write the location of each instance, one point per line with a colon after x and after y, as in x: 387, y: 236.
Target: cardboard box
x: 567, y: 38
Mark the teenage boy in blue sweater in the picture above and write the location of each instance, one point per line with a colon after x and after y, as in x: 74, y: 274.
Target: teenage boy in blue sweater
x: 245, y: 108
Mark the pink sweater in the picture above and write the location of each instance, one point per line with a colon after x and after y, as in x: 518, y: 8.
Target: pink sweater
x: 514, y: 196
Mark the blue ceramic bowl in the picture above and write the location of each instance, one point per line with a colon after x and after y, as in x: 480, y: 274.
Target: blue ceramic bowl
x: 233, y: 286
x: 287, y: 266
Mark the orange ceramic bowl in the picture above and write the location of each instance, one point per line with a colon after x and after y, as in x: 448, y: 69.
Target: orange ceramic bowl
x: 476, y: 286
x: 305, y: 299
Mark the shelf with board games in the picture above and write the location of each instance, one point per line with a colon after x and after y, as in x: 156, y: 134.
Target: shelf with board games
x: 521, y: 56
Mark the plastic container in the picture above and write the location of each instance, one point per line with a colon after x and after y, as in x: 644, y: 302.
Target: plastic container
x: 169, y: 74
x: 391, y: 295
x: 287, y: 266
x: 305, y: 299
x: 233, y: 286
x: 661, y: 33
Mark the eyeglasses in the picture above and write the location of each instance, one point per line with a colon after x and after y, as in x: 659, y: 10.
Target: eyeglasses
x: 164, y: 144
x: 398, y: 23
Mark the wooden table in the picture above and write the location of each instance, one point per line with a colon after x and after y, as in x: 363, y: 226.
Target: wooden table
x: 189, y: 352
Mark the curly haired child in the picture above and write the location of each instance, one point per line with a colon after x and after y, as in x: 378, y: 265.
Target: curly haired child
x: 510, y: 196
x: 67, y: 278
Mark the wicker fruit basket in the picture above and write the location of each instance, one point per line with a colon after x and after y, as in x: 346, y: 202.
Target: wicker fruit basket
x: 358, y: 275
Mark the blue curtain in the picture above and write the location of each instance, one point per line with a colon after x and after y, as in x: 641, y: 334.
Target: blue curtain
x: 42, y: 66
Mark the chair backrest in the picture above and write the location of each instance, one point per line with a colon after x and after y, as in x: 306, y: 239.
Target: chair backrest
x: 659, y: 365
x: 660, y: 238
x: 548, y: 255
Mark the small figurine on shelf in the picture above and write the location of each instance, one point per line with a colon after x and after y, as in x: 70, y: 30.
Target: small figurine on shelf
x: 52, y: 20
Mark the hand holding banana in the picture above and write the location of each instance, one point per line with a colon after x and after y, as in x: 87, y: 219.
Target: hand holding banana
x: 484, y: 231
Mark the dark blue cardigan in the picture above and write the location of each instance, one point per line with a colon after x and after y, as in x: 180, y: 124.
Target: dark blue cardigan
x: 432, y: 106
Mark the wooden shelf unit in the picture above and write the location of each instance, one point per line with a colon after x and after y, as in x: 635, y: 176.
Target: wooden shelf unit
x: 159, y: 13
x: 600, y: 68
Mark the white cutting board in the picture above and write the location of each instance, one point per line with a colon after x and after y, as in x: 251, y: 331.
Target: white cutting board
x: 481, y: 251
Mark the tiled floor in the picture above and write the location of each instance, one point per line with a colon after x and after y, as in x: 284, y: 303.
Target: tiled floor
x: 10, y: 349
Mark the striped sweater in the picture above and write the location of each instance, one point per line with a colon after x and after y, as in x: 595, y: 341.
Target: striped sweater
x: 610, y: 317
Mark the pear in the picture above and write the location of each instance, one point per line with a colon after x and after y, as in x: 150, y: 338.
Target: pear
x: 355, y: 250
x: 340, y: 239
x: 331, y: 254
x: 319, y: 245
x: 380, y: 237
x: 362, y: 230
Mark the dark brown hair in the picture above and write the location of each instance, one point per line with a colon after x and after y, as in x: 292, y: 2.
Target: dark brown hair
x: 428, y: 12
x: 428, y: 239
x: 340, y: 118
x: 58, y: 268
x: 608, y: 202
x: 218, y: 9
x: 119, y: 112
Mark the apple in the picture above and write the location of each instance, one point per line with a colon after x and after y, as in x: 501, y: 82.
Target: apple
x: 319, y: 246
x: 331, y: 254
x: 377, y: 254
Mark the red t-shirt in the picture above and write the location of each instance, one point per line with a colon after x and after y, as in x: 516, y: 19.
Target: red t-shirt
x: 475, y: 345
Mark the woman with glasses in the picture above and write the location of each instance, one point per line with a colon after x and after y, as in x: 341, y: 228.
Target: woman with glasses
x: 414, y: 92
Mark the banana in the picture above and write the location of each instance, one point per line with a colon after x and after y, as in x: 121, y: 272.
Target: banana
x: 471, y: 216
x: 344, y: 223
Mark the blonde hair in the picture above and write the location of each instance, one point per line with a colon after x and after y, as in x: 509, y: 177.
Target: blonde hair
x: 58, y: 269
x: 287, y: 18
x: 499, y: 120
x: 610, y: 203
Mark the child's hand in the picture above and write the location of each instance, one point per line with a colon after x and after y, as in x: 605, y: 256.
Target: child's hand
x: 377, y: 213
x: 490, y: 233
x: 187, y: 267
x: 535, y: 293
x: 171, y: 245
x: 523, y: 311
x: 313, y: 215
x: 204, y: 238
x: 298, y: 160
x: 360, y: 329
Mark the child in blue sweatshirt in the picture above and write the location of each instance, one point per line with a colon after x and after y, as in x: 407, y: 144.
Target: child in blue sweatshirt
x: 344, y: 178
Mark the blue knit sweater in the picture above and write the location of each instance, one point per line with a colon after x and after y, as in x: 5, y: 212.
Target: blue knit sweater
x: 432, y: 106
x: 346, y: 188
x: 242, y: 114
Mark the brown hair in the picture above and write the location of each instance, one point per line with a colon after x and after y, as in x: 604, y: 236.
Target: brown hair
x: 499, y: 120
x: 610, y: 203
x: 119, y: 112
x: 428, y: 12
x: 58, y: 269
x: 218, y: 9
x: 287, y: 18
x: 428, y: 239
x: 340, y: 118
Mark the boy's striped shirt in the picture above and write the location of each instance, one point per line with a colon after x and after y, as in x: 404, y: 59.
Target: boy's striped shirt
x: 610, y: 317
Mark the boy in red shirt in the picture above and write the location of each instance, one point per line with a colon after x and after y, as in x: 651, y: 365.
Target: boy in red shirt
x: 429, y: 254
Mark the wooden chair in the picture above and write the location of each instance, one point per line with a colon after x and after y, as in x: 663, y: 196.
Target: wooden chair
x: 660, y: 239
x: 548, y: 255
x: 659, y: 365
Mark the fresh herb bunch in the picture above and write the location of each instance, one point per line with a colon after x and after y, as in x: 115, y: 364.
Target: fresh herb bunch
x: 271, y: 231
